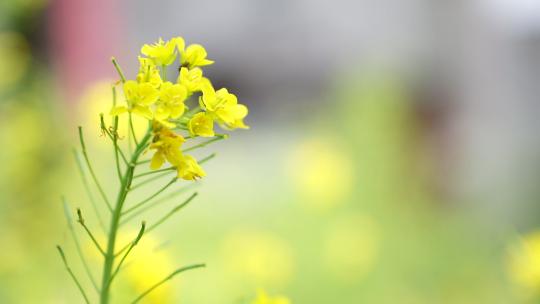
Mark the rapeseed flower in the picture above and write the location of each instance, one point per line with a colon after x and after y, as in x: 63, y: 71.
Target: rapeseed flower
x: 162, y: 53
x: 164, y: 103
x: 189, y: 169
x: 201, y: 124
x: 167, y: 145
x: 192, y: 79
x: 139, y: 96
x: 264, y: 298
x: 223, y: 107
x: 194, y: 56
x: 171, y: 101
x: 148, y: 72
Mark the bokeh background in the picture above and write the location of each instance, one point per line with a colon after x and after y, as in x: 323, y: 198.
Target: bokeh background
x: 393, y: 156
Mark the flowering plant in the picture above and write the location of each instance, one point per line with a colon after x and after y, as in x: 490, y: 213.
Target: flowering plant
x: 178, y: 111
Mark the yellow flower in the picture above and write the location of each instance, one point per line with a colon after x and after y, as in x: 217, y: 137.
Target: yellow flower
x: 259, y: 257
x: 223, y: 107
x: 171, y: 101
x: 162, y: 53
x: 321, y: 172
x: 189, y: 169
x: 167, y: 145
x: 524, y: 264
x: 139, y: 97
x: 194, y: 55
x: 148, y: 72
x: 263, y: 298
x: 192, y: 79
x: 201, y: 124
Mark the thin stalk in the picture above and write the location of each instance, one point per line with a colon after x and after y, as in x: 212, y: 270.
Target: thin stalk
x: 204, y: 143
x: 87, y: 189
x: 151, y: 179
x: 117, y: 149
x: 157, y: 203
x: 150, y: 197
x: 172, y: 212
x: 132, y: 244
x: 80, y: 220
x: 132, y: 129
x: 164, y: 72
x: 96, y: 181
x: 113, y: 137
x: 77, y: 244
x: 174, y: 273
x: 63, y: 256
x: 142, y: 162
x: 154, y: 171
x: 118, y: 69
x: 115, y: 219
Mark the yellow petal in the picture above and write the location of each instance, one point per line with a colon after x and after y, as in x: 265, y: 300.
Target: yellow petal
x: 142, y: 111
x: 157, y: 161
x: 118, y: 110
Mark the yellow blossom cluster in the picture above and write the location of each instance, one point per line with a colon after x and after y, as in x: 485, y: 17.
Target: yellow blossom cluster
x: 165, y: 103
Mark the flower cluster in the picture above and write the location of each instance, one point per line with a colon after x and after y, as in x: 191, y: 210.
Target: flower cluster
x: 164, y: 103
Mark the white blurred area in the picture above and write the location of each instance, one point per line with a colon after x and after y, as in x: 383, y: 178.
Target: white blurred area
x: 477, y: 61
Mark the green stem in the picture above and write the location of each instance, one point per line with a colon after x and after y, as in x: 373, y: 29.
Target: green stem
x: 132, y: 129
x: 150, y: 197
x: 94, y: 177
x: 172, y: 212
x: 180, y: 270
x: 77, y: 244
x: 81, y: 221
x: 63, y: 256
x: 157, y: 203
x: 115, y: 220
x: 87, y: 189
x: 132, y: 244
x: 204, y: 143
x: 118, y: 69
x: 164, y: 73
x: 149, y: 180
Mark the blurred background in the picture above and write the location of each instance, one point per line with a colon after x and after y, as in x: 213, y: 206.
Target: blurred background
x: 393, y: 156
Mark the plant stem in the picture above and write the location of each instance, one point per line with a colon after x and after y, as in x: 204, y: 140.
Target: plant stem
x: 115, y: 219
x: 94, y: 177
x: 180, y: 270
x: 64, y: 260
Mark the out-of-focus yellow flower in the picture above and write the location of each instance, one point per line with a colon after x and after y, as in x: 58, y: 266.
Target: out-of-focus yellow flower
x: 192, y: 79
x: 524, y: 264
x: 201, y: 124
x: 194, y: 55
x: 167, y: 145
x: 323, y: 172
x: 189, y: 169
x: 148, y: 72
x: 94, y: 99
x: 171, y: 101
x: 162, y: 53
x: 147, y: 264
x: 139, y: 97
x: 264, y: 298
x: 223, y: 107
x: 351, y: 247
x: 258, y: 257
